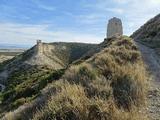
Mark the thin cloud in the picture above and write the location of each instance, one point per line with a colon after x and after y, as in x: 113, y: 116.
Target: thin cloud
x: 122, y: 1
x: 89, y: 18
x: 44, y: 6
x: 21, y: 33
x: 130, y: 11
x: 49, y: 8
x: 139, y: 12
x: 87, y: 23
x: 115, y: 10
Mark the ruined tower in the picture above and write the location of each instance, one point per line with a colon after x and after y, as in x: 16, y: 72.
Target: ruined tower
x: 39, y: 47
x: 114, y: 27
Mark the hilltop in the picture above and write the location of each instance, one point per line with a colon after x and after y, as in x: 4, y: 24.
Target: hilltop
x: 108, y: 82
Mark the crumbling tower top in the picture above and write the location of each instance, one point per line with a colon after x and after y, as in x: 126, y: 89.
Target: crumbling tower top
x: 39, y: 42
x: 114, y: 27
x: 39, y: 47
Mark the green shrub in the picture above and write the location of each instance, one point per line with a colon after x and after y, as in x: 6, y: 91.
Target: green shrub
x: 19, y: 102
x: 28, y: 83
x: 80, y: 74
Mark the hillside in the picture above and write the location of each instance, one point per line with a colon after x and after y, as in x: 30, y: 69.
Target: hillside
x: 148, y: 40
x: 149, y: 33
x: 26, y: 74
x: 110, y: 84
x: 55, y: 56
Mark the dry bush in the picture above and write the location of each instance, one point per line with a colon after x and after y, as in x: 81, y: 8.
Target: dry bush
x: 93, y: 82
x: 72, y: 104
x: 128, y: 81
x: 111, y: 85
x: 82, y: 73
x: 69, y: 104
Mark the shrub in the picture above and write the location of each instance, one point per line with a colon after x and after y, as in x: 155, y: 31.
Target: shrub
x: 127, y: 74
x: 80, y: 74
x: 72, y: 104
x: 19, y: 102
x: 28, y: 83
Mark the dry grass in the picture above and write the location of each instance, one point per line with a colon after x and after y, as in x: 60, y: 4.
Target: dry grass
x: 72, y: 104
x: 111, y: 85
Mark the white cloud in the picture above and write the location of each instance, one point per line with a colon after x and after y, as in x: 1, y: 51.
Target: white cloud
x: 25, y: 33
x: 139, y: 12
x: 136, y: 12
x: 151, y: 2
x: 121, y: 1
x: 49, y: 8
x: 89, y: 18
x: 43, y: 6
x: 104, y: 6
x: 115, y: 10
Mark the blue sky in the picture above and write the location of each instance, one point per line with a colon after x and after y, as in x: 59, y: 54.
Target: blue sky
x: 25, y: 21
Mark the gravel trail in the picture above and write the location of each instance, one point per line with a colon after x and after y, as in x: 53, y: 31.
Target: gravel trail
x: 153, y: 63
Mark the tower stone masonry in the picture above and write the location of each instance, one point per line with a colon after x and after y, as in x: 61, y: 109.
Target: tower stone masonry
x: 114, y: 27
x: 39, y: 47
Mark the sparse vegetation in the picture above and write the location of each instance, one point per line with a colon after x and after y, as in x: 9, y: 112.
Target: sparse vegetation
x: 109, y: 85
x: 24, y: 86
x: 149, y: 33
x: 27, y: 76
x: 69, y: 52
x: 73, y: 104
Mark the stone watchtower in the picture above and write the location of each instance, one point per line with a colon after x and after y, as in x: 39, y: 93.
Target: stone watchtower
x: 39, y: 47
x: 114, y: 27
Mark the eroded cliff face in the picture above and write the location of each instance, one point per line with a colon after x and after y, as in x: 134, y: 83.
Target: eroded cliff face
x: 49, y: 55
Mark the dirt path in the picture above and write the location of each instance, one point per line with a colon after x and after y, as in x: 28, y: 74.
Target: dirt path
x: 153, y: 63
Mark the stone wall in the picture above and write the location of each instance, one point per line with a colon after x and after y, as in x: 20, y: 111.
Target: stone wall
x: 114, y: 27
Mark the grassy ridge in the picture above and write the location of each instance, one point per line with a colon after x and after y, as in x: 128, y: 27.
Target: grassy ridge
x: 111, y: 85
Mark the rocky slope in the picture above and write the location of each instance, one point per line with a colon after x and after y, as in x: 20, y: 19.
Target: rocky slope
x: 148, y: 40
x: 151, y: 60
x: 149, y: 33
